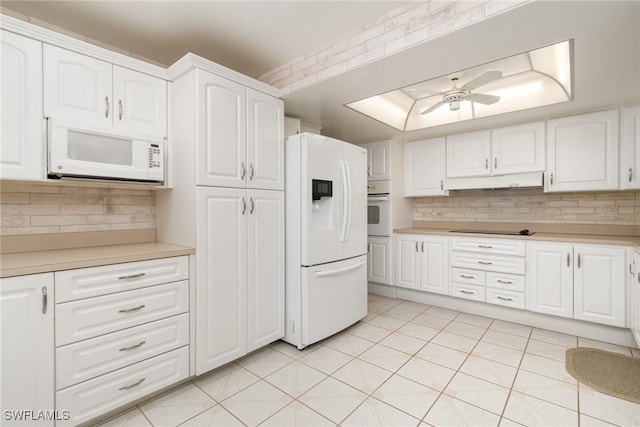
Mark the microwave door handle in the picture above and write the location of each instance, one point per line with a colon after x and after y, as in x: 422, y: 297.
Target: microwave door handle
x: 343, y: 170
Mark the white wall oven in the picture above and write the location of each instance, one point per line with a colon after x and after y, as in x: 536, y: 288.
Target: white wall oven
x: 379, y: 209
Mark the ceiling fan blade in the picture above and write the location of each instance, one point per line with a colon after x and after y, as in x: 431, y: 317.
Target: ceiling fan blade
x: 482, y: 79
x: 433, y: 107
x: 483, y: 98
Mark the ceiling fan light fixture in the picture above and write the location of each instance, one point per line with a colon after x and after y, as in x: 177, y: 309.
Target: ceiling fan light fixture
x: 531, y: 79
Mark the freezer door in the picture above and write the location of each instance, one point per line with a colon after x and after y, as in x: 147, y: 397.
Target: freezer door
x: 334, y: 296
x: 355, y: 238
x: 321, y: 220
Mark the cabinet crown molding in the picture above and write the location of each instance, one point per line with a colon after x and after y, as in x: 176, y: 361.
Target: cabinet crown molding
x: 191, y: 61
x: 45, y: 35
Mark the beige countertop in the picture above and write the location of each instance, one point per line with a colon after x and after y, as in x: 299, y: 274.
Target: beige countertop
x: 538, y: 236
x: 20, y: 263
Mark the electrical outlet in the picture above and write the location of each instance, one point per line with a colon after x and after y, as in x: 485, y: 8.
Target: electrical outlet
x: 609, y: 211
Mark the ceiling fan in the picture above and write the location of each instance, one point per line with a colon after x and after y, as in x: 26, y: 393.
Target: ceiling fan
x: 456, y: 94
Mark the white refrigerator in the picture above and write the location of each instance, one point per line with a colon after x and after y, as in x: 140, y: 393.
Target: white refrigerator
x: 326, y: 236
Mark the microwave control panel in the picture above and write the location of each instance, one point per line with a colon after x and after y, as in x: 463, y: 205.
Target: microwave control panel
x: 155, y: 156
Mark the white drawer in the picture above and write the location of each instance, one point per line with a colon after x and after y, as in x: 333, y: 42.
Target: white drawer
x: 508, y: 298
x: 510, y: 282
x: 467, y: 291
x: 489, y: 246
x: 472, y: 277
x: 503, y: 264
x: 90, y: 358
x: 95, y: 281
x: 98, y: 396
x: 88, y: 318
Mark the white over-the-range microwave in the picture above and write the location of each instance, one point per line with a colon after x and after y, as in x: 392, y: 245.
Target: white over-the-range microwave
x: 78, y: 151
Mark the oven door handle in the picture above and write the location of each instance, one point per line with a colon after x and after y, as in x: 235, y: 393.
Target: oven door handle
x: 378, y: 199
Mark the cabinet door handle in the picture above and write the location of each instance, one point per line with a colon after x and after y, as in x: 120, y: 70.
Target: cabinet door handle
x: 495, y: 163
x: 106, y: 106
x: 129, y: 310
x: 485, y: 246
x: 464, y: 276
x: 140, y: 344
x: 500, y: 297
x: 244, y: 206
x: 464, y: 291
x: 485, y: 262
x: 630, y: 174
x: 506, y: 282
x: 251, y: 171
x: 369, y: 248
x: 422, y: 247
x: 568, y: 259
x: 631, y: 268
x: 486, y: 163
x: 131, y: 276
x: 416, y: 246
x: 253, y: 206
x: 368, y: 170
x: 119, y: 109
x: 442, y: 184
x: 44, y: 300
x: 127, y: 387
x: 244, y: 171
x: 551, y: 178
x: 578, y: 260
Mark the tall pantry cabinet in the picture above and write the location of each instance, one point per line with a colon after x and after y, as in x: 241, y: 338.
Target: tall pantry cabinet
x: 227, y: 201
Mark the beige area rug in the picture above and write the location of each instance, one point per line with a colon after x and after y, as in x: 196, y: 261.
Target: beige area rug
x: 609, y: 373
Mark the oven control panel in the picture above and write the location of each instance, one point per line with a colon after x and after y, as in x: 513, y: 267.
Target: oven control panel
x: 379, y: 187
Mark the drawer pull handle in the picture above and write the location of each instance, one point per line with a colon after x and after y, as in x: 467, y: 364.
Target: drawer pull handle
x: 485, y: 262
x: 485, y: 246
x: 506, y: 282
x: 131, y: 276
x: 128, y: 310
x: 140, y: 344
x: 504, y: 298
x: 464, y: 276
x: 463, y: 291
x: 127, y: 387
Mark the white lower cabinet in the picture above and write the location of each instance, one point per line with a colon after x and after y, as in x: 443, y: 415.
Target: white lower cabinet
x: 422, y: 262
x: 379, y: 256
x: 240, y: 286
x: 634, y: 321
x: 27, y: 362
x: 585, y: 282
x: 122, y: 332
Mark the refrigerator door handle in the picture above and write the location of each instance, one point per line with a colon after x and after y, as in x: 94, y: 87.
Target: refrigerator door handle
x: 349, y: 196
x: 345, y: 189
x: 339, y: 270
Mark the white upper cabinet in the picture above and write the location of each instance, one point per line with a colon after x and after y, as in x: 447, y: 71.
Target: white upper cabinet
x: 630, y: 149
x: 140, y: 102
x: 424, y: 168
x: 468, y: 154
x: 93, y: 92
x: 241, y: 137
x: 378, y: 160
x: 501, y: 151
x: 582, y: 152
x: 222, y: 140
x: 265, y: 141
x: 518, y: 149
x: 21, y: 124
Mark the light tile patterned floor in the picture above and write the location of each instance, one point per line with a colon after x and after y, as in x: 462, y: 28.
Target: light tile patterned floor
x: 407, y: 364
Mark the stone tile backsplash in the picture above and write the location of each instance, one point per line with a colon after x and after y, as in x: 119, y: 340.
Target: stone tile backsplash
x: 40, y: 208
x: 531, y: 205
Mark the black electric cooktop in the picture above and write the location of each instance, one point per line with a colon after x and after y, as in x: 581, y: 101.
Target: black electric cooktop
x: 508, y: 233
